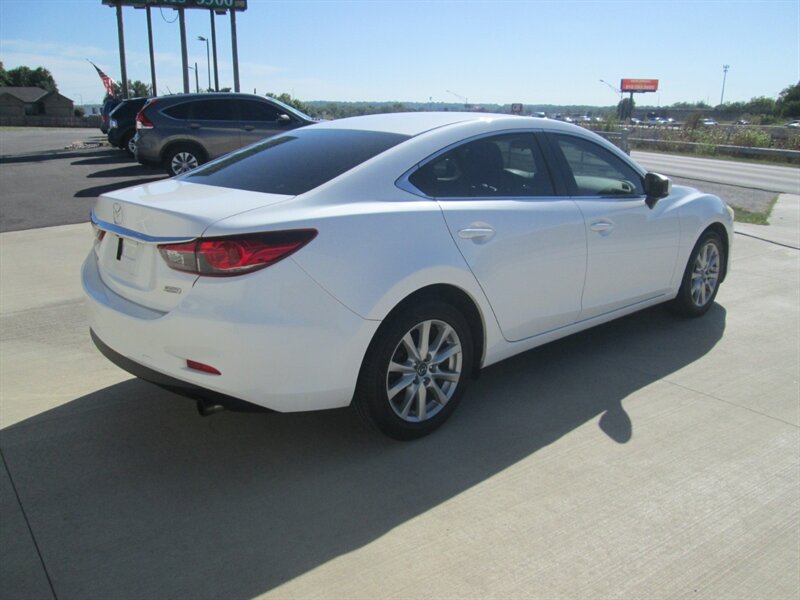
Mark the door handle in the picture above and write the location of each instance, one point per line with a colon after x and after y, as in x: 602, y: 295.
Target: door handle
x: 476, y: 233
x: 249, y: 127
x: 194, y: 126
x: 602, y: 227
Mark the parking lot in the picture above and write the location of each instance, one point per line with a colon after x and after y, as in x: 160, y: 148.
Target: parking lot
x: 652, y: 457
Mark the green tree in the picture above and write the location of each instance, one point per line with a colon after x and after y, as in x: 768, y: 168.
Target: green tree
x: 625, y: 109
x: 287, y: 99
x: 27, y: 77
x: 136, y: 89
x: 788, y: 104
x: 3, y: 75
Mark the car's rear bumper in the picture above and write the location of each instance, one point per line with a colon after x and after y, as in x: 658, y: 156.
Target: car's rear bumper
x: 172, y: 384
x: 278, y: 339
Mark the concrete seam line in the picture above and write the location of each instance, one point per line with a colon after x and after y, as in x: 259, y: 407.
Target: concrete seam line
x: 729, y: 403
x: 28, y: 524
x: 755, y: 237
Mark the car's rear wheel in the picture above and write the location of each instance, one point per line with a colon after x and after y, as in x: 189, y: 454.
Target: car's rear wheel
x: 183, y: 158
x: 129, y: 145
x: 415, y: 371
x: 701, y: 277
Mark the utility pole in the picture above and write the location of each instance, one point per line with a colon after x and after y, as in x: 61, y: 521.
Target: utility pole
x: 724, y: 77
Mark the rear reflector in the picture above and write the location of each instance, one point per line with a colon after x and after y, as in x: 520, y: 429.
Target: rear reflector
x: 198, y: 366
x: 235, y: 255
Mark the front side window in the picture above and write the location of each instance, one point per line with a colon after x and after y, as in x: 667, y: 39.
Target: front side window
x: 594, y: 171
x: 507, y: 165
x: 253, y: 110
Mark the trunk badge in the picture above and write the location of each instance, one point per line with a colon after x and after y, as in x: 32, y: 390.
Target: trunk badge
x: 172, y: 290
x: 118, y: 216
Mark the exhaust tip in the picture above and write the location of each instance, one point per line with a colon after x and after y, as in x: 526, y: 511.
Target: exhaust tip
x: 206, y: 408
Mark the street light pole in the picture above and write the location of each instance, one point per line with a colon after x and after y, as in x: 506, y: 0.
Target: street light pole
x: 724, y: 77
x: 196, y: 78
x: 208, y: 59
x: 616, y: 91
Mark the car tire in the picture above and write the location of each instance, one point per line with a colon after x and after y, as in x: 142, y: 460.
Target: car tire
x: 129, y: 145
x: 701, y: 278
x: 183, y: 158
x: 409, y: 386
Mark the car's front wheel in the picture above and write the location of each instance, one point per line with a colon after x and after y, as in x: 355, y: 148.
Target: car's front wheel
x: 183, y: 158
x: 701, y: 277
x: 415, y: 371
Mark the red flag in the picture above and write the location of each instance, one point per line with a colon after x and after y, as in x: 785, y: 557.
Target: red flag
x: 107, y: 81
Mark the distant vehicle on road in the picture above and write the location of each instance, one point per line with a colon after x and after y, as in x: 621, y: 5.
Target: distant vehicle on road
x: 108, y: 106
x: 183, y: 131
x: 743, y: 122
x: 709, y: 123
x: 793, y: 124
x: 122, y: 124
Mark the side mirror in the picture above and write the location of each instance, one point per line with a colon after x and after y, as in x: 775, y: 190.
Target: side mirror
x: 284, y: 119
x: 656, y: 187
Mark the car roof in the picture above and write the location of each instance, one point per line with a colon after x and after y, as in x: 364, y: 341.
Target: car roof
x: 415, y: 123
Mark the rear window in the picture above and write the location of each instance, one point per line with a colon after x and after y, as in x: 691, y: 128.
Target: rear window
x: 296, y: 162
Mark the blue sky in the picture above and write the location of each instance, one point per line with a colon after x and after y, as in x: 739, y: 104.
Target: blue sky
x: 493, y: 52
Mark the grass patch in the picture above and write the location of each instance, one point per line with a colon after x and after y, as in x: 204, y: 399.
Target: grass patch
x: 754, y: 218
x: 775, y: 161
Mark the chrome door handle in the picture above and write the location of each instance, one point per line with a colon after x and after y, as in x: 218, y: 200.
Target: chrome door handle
x: 602, y: 227
x: 476, y: 233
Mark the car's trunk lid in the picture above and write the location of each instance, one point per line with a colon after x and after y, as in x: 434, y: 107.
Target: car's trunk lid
x: 137, y: 220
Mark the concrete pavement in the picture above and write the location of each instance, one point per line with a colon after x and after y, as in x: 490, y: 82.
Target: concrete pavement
x: 652, y: 457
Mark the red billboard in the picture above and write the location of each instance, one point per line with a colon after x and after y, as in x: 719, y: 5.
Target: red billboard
x: 639, y: 85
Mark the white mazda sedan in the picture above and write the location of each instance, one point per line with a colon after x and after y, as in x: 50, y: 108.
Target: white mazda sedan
x: 380, y: 261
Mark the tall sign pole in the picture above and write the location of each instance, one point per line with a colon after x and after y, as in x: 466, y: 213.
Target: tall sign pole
x: 214, y: 49
x: 152, y: 55
x: 121, y: 34
x: 184, y: 52
x: 235, y: 52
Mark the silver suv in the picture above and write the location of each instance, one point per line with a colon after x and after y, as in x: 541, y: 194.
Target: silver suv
x: 183, y: 131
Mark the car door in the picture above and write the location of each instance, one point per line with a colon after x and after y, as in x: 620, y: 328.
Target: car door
x: 260, y: 119
x: 525, y: 244
x: 632, y: 248
x: 214, y: 124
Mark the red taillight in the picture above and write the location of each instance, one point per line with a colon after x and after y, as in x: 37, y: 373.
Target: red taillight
x: 204, y: 368
x: 237, y: 255
x: 142, y: 122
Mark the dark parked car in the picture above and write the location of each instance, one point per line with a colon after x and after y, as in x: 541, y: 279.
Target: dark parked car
x: 108, y: 106
x: 122, y: 124
x: 183, y: 131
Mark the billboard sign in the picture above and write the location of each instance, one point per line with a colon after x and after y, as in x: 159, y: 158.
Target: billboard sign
x: 516, y: 108
x: 639, y: 85
x: 238, y: 5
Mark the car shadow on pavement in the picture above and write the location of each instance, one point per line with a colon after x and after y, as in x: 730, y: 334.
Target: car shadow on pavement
x: 109, y: 158
x: 49, y: 155
x: 130, y: 494
x: 93, y: 192
x: 130, y: 170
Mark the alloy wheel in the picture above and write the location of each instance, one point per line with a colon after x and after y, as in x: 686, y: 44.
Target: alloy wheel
x: 424, y: 371
x: 182, y: 162
x: 705, y: 274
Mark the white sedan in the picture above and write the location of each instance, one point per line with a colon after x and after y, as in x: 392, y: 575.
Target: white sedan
x: 380, y: 261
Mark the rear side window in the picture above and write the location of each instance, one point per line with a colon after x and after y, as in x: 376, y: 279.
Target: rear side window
x: 179, y: 111
x: 296, y: 162
x: 204, y: 110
